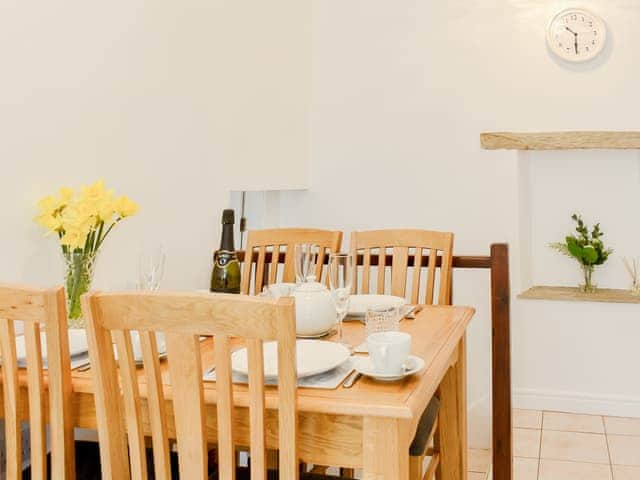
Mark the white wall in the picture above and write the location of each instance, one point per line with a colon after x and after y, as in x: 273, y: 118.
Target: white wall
x: 172, y: 103
x: 401, y: 92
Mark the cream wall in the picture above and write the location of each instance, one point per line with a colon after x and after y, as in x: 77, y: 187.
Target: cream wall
x: 400, y: 93
x: 172, y: 103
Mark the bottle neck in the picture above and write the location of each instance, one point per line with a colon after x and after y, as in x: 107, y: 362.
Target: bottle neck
x: 226, y: 243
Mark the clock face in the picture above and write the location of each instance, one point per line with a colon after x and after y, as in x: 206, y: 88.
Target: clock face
x: 576, y: 35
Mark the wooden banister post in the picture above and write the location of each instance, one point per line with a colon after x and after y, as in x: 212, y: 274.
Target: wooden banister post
x: 501, y: 362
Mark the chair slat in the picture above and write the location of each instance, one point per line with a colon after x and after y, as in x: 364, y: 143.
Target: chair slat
x: 399, y: 271
x: 224, y: 406
x: 111, y: 427
x: 382, y: 259
x: 446, y: 276
x: 156, y: 402
x: 259, y: 281
x: 11, y: 391
x: 185, y: 367
x: 366, y: 270
x: 61, y: 425
x: 431, y: 276
x: 256, y: 410
x: 132, y: 407
x: 37, y: 427
x: 273, y: 268
x: 415, y: 284
x: 287, y: 391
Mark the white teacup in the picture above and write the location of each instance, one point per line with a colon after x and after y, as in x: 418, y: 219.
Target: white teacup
x: 389, y: 351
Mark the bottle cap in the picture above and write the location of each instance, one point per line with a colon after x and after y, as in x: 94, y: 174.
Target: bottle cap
x: 228, y: 216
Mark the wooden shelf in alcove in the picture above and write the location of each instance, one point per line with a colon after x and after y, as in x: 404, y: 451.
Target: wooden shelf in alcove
x: 573, y: 294
x: 560, y: 140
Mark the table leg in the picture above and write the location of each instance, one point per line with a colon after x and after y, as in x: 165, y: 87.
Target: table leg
x: 385, y: 447
x: 453, y: 419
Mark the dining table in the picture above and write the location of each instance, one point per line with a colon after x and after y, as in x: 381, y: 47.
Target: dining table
x: 368, y: 426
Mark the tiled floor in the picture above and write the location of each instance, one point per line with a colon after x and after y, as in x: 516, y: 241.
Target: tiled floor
x: 562, y: 446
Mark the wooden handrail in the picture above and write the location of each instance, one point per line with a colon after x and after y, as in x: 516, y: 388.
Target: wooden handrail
x: 459, y: 261
x: 498, y: 263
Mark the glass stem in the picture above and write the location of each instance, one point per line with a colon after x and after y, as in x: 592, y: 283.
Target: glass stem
x: 340, y: 337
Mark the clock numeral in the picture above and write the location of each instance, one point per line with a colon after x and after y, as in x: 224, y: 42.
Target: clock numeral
x: 595, y: 32
x: 593, y: 42
x: 586, y: 48
x: 574, y: 17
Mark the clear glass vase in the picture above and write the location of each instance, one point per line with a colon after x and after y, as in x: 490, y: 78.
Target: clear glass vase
x: 78, y: 277
x: 588, y: 286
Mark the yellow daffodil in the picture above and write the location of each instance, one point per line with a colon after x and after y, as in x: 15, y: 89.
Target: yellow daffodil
x: 50, y: 222
x: 94, y: 191
x: 83, y: 221
x: 125, y: 207
x: 74, y: 238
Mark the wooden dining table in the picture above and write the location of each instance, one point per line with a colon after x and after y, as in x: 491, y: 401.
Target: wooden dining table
x: 369, y: 426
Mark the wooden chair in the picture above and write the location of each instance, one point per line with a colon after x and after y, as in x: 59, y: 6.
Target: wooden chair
x: 392, y: 249
x: 37, y: 308
x: 119, y: 417
x: 282, y: 241
x: 396, y: 246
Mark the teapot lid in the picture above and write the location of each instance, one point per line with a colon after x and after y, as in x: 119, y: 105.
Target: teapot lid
x: 311, y: 287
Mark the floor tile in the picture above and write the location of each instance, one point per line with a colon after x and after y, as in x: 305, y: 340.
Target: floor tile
x: 572, y: 422
x: 525, y: 468
x: 624, y: 449
x: 559, y: 470
x: 621, y: 472
x: 526, y: 442
x: 476, y: 476
x: 527, y: 419
x: 478, y: 460
x: 574, y: 446
x: 622, y: 426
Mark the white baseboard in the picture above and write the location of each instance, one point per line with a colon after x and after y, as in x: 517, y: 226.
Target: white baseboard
x: 577, y: 402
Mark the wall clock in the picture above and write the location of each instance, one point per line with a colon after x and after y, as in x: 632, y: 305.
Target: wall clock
x: 576, y: 35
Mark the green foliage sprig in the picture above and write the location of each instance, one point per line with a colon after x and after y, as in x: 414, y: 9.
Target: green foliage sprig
x: 586, y: 247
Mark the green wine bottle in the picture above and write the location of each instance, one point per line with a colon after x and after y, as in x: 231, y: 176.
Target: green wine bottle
x: 225, y: 277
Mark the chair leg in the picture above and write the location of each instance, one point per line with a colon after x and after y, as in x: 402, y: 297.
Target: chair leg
x: 432, y: 470
x: 415, y: 467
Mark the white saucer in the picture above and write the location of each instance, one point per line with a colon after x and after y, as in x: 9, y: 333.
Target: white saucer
x: 364, y: 366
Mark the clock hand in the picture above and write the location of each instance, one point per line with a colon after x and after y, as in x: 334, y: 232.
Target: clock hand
x: 571, y: 30
x: 575, y: 43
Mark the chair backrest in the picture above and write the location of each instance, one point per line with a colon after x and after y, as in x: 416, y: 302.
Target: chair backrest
x: 400, y: 244
x: 283, y: 240
x: 183, y: 318
x: 37, y: 308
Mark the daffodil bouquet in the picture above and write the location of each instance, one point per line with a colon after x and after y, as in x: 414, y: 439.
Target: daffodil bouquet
x: 81, y: 221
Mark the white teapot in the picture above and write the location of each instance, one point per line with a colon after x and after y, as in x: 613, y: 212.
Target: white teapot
x: 315, y: 310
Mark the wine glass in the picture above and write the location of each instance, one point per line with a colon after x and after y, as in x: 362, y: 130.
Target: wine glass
x: 341, y: 281
x: 305, y: 261
x: 151, y: 268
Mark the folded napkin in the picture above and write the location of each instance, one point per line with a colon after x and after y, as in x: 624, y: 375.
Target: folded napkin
x: 327, y: 380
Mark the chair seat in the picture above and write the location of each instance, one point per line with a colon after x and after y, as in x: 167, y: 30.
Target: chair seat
x: 425, y: 426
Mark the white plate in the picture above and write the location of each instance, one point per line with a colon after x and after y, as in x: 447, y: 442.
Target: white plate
x: 358, y: 304
x: 313, y: 357
x: 365, y: 367
x: 77, y: 344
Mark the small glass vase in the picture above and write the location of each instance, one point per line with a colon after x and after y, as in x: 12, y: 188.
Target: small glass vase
x: 78, y: 277
x: 588, y: 286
